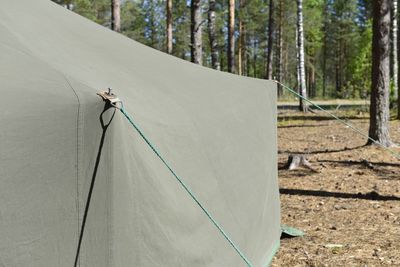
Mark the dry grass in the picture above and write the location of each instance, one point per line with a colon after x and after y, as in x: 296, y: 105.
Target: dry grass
x: 354, y: 201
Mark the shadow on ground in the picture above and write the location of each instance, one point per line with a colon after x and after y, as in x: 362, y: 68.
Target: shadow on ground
x: 391, y: 173
x: 318, y: 118
x: 325, y: 151
x: 320, y: 193
x: 302, y: 126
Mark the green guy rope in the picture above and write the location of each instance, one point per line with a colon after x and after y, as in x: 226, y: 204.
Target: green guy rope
x: 186, y: 187
x: 395, y: 154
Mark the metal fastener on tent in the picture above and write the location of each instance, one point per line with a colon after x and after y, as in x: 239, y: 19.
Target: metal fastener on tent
x: 110, y: 97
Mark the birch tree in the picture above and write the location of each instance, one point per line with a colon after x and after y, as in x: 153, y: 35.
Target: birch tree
x: 300, y: 47
x: 379, y: 111
x: 196, y: 46
x: 169, y: 26
x: 395, y: 58
x: 394, y: 48
x: 280, y: 47
x: 212, y: 34
x: 271, y: 29
x: 116, y: 15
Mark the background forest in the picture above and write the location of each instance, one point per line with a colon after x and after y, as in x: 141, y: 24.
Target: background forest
x: 337, y: 37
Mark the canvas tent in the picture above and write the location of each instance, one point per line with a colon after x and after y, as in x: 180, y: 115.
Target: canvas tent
x: 217, y: 130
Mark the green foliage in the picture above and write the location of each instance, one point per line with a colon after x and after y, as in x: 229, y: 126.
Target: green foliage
x: 360, y: 65
x: 181, y: 29
x: 133, y: 20
x: 85, y: 8
x: 313, y: 30
x: 338, y: 37
x: 96, y: 10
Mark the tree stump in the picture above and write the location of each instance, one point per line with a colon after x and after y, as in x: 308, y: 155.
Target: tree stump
x: 297, y: 161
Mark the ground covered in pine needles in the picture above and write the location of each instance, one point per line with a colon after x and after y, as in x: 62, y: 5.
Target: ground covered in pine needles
x: 350, y: 208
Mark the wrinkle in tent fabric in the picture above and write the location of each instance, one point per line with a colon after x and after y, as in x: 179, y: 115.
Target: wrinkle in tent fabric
x: 217, y: 130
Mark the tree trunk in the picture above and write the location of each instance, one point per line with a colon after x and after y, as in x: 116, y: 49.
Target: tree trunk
x: 337, y: 73
x: 300, y: 39
x: 254, y: 57
x: 231, y: 37
x: 280, y: 48
x: 324, y: 69
x: 312, y: 82
x: 247, y: 54
x: 395, y: 55
x: 169, y: 26
x: 286, y: 59
x: 212, y: 35
x: 196, y: 32
x: 240, y: 48
x: 297, y: 62
x: 379, y: 111
x: 242, y: 39
x: 325, y: 49
x: 340, y: 67
x: 222, y: 51
x: 116, y: 15
x: 271, y: 29
x: 152, y: 22
x: 394, y: 49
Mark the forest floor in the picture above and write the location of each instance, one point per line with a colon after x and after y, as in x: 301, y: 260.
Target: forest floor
x: 350, y: 209
x: 337, y: 102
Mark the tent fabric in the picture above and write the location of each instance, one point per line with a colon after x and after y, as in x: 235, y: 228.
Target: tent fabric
x: 217, y: 130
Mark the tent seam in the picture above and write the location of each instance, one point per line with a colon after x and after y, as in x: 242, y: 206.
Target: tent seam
x: 77, y: 152
x: 26, y: 51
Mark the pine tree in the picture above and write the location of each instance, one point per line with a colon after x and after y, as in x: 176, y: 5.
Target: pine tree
x: 231, y: 37
x: 379, y: 111
x: 242, y: 40
x: 116, y: 15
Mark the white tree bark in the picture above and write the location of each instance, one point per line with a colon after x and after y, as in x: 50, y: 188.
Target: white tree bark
x: 280, y: 48
x: 300, y: 46
x: 297, y: 61
x: 213, y: 35
x: 395, y: 29
x: 271, y: 35
x: 394, y: 48
x: 196, y: 32
x: 169, y: 26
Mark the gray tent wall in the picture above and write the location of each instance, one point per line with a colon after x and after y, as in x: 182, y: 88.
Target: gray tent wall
x: 217, y: 130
